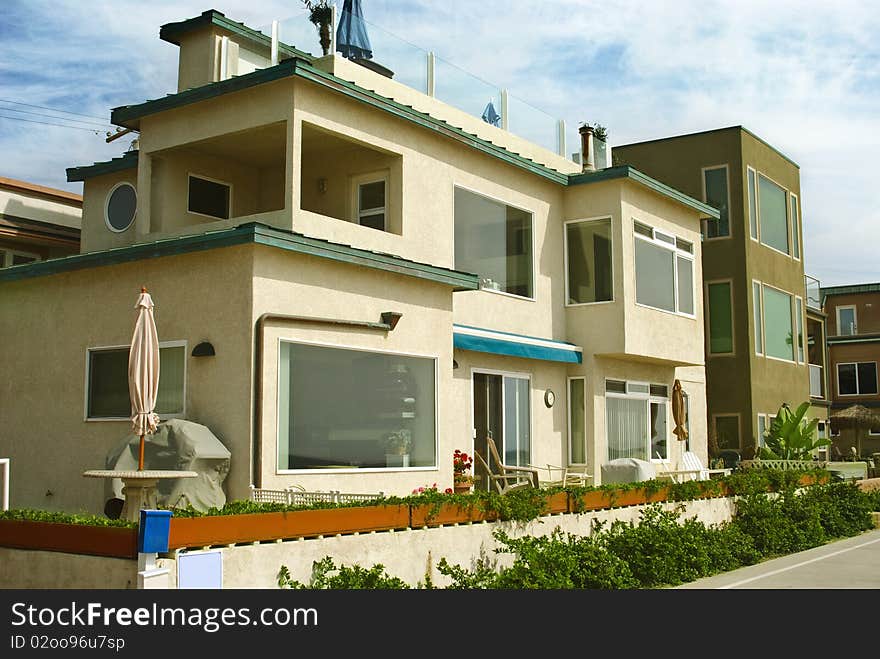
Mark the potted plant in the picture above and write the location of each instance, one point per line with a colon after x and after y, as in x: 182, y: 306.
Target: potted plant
x: 321, y: 15
x: 462, y: 479
x: 397, y: 446
x: 600, y: 148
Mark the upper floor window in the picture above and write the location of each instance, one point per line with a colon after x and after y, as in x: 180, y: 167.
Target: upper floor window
x: 778, y: 325
x: 588, y: 259
x: 769, y: 213
x: 209, y: 197
x: 370, y: 204
x: 107, y: 381
x: 846, y: 320
x: 120, y: 207
x: 795, y: 227
x: 664, y: 270
x: 857, y: 379
x: 719, y: 302
x: 9, y: 257
x: 494, y: 240
x: 715, y: 192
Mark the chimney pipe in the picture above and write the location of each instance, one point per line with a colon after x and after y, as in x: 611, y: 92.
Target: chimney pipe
x: 587, y: 156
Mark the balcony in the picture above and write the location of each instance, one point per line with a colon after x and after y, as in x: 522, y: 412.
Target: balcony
x: 813, y: 293
x: 816, y: 381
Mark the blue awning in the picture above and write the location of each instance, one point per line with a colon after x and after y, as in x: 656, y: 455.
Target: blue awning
x: 465, y: 337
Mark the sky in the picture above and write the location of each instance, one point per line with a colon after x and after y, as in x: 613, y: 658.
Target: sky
x: 804, y: 76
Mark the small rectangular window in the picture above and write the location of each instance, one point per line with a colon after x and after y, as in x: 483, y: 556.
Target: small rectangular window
x: 795, y: 228
x: 577, y: 428
x: 643, y: 229
x: 660, y: 390
x: 847, y: 385
x: 799, y: 323
x: 588, y: 251
x: 371, y: 204
x: 637, y: 388
x: 715, y: 187
x: 753, y: 204
x: 758, y: 316
x: 720, y: 314
x: 727, y: 431
x: 208, y: 197
x: 615, y: 386
x: 846, y: 320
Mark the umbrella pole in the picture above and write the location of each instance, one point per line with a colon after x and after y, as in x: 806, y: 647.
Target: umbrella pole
x: 141, y: 455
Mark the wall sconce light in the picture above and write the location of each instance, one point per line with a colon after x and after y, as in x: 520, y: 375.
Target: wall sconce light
x: 454, y: 364
x: 204, y: 349
x: 322, y: 185
x: 390, y: 318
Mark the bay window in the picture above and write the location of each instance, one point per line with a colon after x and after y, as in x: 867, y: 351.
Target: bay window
x: 664, y: 270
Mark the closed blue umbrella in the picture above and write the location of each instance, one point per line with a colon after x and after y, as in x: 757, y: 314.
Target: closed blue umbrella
x: 351, y: 35
x: 490, y: 116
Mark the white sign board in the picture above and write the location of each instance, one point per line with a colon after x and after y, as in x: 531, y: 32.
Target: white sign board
x: 202, y: 569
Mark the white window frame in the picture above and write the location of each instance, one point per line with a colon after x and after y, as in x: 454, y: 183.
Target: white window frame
x: 657, y: 239
x: 855, y: 318
x: 732, y: 352
x: 162, y: 344
x: 134, y: 217
x: 758, y: 174
x: 649, y: 398
x: 858, y: 388
x: 504, y: 374
x: 480, y: 193
x: 758, y: 296
x: 739, y: 427
x: 568, y: 420
x: 7, y: 254
x: 755, y: 237
x: 799, y: 331
x: 791, y: 311
x: 726, y: 168
x: 601, y: 218
x: 794, y: 215
x: 359, y: 470
x: 229, y: 185
x: 366, y: 179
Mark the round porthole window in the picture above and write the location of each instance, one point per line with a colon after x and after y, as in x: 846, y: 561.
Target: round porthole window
x: 121, y: 207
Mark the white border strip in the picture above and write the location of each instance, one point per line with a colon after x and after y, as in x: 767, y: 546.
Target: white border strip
x: 515, y: 338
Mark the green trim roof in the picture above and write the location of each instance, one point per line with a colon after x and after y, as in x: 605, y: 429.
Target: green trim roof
x: 252, y: 232
x: 631, y: 173
x: 128, y: 161
x: 171, y: 32
x: 129, y: 115
x: 849, y: 289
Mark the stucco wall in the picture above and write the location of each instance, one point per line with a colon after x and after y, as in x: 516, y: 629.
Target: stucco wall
x: 200, y: 296
x: 95, y: 235
x: 29, y: 569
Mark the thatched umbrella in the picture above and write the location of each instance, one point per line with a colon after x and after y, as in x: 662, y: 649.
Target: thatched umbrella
x: 858, y: 418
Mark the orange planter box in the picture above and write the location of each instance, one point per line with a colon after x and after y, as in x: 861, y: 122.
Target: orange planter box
x: 446, y: 514
x: 113, y: 541
x: 557, y: 503
x: 231, y: 529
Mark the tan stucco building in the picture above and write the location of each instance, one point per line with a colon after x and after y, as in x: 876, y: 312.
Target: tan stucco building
x: 367, y: 263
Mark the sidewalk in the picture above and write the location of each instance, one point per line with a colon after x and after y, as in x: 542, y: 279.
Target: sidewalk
x: 852, y: 563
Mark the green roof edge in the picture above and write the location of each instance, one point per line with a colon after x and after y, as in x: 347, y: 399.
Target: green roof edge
x: 629, y: 172
x: 169, y: 31
x: 127, y: 161
x: 251, y: 232
x: 846, y: 289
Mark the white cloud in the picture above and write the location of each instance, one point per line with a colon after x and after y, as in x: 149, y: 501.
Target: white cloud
x: 805, y: 76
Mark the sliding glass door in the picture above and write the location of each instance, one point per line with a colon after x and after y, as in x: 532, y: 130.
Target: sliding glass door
x: 502, y: 411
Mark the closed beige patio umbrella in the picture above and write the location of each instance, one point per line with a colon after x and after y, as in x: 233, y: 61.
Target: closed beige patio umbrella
x: 678, y: 412
x: 143, y: 372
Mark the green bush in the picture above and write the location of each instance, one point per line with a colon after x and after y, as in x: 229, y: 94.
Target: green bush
x: 345, y: 578
x: 86, y: 519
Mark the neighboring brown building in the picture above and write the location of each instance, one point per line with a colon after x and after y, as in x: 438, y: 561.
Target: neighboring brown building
x: 853, y: 329
x: 36, y: 222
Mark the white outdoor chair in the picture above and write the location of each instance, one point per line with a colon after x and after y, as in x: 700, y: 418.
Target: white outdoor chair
x: 691, y: 460
x: 688, y: 473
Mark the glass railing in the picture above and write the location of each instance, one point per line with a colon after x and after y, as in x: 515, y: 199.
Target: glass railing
x: 813, y: 292
x: 815, y: 381
x: 417, y: 68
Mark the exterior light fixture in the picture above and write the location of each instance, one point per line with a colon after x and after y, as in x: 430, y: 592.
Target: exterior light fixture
x: 204, y: 349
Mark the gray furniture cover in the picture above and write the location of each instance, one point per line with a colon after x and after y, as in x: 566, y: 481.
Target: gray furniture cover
x: 627, y: 470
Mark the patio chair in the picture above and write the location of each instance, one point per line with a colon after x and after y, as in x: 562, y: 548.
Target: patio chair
x: 688, y: 473
x: 506, y: 477
x: 690, y: 460
x: 550, y: 475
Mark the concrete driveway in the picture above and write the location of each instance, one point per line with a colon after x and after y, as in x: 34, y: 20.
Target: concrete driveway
x: 853, y: 563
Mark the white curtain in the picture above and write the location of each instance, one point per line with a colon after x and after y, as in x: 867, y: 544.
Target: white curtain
x: 627, y: 426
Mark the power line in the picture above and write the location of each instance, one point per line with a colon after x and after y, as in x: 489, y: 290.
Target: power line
x: 96, y: 131
x: 51, y: 116
x: 43, y: 107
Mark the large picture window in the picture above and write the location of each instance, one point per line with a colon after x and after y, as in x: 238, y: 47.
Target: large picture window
x: 857, y: 379
x: 107, y: 376
x: 494, y: 240
x: 773, y: 215
x: 664, y: 270
x: 777, y: 324
x: 588, y: 257
x: 350, y: 409
x: 636, y: 420
x: 720, y: 314
x: 715, y: 193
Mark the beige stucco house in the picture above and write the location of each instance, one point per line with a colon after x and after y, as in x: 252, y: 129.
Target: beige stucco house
x: 365, y: 261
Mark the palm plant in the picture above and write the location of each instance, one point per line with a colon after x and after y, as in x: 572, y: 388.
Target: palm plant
x: 790, y: 437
